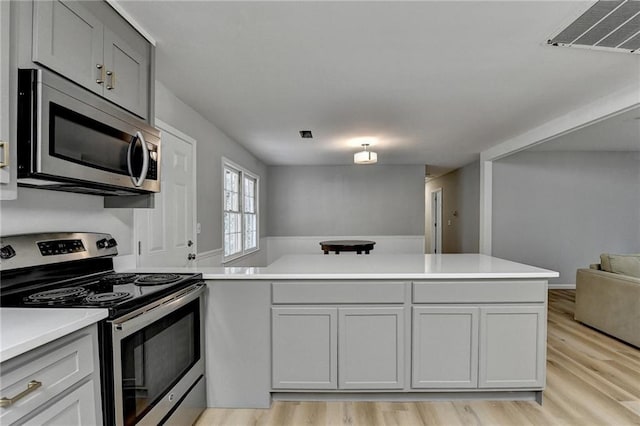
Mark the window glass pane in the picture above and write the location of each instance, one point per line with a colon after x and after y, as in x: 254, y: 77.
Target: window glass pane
x: 240, y: 211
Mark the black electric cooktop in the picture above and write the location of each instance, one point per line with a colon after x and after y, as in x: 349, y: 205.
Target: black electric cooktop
x: 119, y: 292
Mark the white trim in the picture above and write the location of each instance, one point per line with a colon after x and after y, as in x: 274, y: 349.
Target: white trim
x: 210, y: 253
x: 115, y: 4
x: 211, y: 258
x: 486, y: 205
x: 584, y: 116
x: 562, y: 286
x: 243, y: 171
x: 602, y: 109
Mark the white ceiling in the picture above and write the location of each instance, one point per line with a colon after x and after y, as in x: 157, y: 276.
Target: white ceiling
x: 435, y: 82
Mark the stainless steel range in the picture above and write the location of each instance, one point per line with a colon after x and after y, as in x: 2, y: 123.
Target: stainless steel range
x: 151, y: 344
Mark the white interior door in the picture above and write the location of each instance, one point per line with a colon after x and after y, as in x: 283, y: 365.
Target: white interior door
x: 166, y: 234
x: 436, y: 221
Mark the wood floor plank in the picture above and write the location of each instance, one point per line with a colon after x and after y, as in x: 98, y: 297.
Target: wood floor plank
x: 592, y: 379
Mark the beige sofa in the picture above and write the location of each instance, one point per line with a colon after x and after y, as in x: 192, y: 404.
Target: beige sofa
x: 609, y: 302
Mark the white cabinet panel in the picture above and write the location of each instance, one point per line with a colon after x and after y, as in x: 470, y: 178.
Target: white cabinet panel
x: 371, y: 348
x: 445, y: 347
x: 304, y: 348
x: 512, y: 346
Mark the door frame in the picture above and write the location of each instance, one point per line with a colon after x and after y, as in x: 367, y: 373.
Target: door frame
x: 436, y: 217
x: 138, y: 213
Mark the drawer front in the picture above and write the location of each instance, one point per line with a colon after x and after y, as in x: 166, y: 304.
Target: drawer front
x: 479, y: 291
x: 56, y: 367
x: 338, y: 292
x: 76, y: 409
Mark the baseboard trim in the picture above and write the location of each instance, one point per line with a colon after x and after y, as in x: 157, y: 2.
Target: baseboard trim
x: 562, y: 286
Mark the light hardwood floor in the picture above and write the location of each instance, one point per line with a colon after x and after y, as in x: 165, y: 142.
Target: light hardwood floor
x: 592, y: 379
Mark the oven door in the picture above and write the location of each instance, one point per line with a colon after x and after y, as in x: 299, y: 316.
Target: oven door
x: 158, y: 356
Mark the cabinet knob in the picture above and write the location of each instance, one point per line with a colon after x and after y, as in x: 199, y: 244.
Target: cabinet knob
x: 191, y: 256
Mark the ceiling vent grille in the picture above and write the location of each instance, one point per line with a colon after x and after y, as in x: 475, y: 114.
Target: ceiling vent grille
x: 607, y: 25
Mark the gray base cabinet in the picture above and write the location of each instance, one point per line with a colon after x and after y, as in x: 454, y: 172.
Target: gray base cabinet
x: 77, y: 408
x: 512, y: 346
x: 304, y: 345
x: 445, y: 347
x: 57, y: 383
x: 371, y: 348
x: 333, y: 348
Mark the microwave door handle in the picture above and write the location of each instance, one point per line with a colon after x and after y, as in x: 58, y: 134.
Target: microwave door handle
x: 145, y: 159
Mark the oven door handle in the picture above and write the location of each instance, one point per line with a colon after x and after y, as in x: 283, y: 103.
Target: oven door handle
x: 146, y: 315
x: 145, y: 159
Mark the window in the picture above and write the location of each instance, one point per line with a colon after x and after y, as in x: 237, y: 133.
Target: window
x: 240, y: 211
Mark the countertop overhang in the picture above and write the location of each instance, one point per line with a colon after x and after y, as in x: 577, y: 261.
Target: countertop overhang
x: 23, y: 329
x: 374, y: 266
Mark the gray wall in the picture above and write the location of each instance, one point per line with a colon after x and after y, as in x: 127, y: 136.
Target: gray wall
x: 37, y: 210
x: 460, y: 209
x: 345, y: 200
x: 560, y: 210
x: 212, y: 146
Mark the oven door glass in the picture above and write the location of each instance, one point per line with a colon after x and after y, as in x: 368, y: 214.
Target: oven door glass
x: 156, y: 357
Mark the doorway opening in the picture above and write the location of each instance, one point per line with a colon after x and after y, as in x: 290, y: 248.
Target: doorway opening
x: 436, y: 221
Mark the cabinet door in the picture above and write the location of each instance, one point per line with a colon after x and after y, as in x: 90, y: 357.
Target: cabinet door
x: 69, y: 39
x: 371, y: 348
x: 512, y: 346
x: 78, y: 408
x: 304, y: 348
x: 127, y: 74
x: 445, y: 347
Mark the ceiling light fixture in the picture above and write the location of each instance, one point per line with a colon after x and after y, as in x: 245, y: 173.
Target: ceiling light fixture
x: 365, y: 156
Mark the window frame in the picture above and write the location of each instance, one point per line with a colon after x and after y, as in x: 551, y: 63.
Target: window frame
x: 228, y: 164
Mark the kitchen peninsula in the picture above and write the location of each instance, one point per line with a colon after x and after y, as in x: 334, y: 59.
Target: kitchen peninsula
x: 377, y: 327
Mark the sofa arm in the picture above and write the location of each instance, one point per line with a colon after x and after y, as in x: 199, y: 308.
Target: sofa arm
x: 609, y: 302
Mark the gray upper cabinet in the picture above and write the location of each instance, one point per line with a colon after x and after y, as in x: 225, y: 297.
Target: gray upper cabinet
x: 69, y: 39
x: 98, y: 52
x: 127, y: 74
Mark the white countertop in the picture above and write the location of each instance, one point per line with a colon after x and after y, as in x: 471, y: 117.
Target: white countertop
x: 23, y: 329
x: 374, y: 266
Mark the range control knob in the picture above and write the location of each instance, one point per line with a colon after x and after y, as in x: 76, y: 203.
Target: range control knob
x: 103, y: 243
x: 111, y: 243
x: 7, y: 252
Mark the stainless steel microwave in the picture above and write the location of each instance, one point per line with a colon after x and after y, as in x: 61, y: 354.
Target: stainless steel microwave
x: 70, y: 139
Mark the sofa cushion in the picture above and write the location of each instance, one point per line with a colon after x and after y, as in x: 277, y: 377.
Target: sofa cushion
x: 624, y: 264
